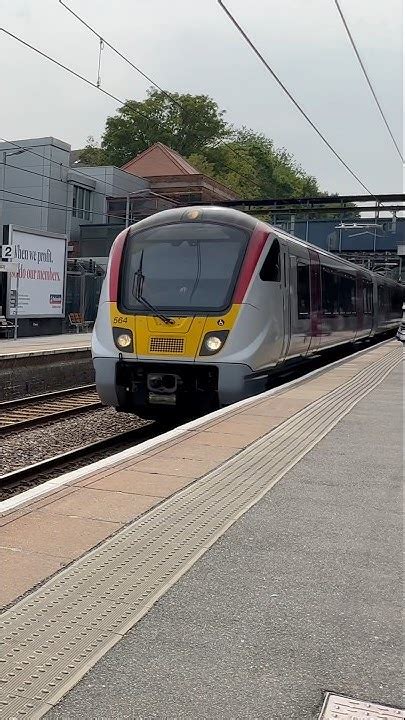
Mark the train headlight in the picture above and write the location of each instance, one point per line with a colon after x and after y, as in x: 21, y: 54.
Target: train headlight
x: 123, y: 339
x: 213, y: 342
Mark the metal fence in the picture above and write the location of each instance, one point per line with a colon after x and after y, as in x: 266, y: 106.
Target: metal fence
x: 83, y: 288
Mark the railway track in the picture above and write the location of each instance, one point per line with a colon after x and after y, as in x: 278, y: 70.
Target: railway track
x: 30, y: 476
x: 30, y: 411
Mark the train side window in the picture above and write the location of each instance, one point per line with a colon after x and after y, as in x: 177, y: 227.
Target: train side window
x: 271, y: 268
x: 367, y: 298
x: 330, y: 297
x: 397, y: 301
x: 347, y: 295
x: 303, y: 294
x: 381, y: 298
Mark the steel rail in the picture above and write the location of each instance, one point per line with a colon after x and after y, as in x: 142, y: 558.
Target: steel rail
x: 39, y: 409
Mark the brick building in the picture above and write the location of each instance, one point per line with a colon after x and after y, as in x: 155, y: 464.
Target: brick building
x: 171, y: 175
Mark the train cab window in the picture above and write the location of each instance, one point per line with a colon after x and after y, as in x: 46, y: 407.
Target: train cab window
x: 271, y: 268
x: 188, y: 266
x: 303, y: 295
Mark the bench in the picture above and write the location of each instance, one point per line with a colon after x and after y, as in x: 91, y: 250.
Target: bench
x: 6, y: 327
x: 78, y: 322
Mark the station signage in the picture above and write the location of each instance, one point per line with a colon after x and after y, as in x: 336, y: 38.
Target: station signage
x: 6, y: 252
x: 37, y: 283
x: 8, y: 267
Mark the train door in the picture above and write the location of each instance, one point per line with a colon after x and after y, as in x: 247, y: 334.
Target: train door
x: 316, y: 301
x: 300, y: 306
x: 285, y: 290
x: 364, y: 305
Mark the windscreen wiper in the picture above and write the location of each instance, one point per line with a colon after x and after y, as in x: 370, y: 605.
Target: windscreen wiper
x: 138, y: 283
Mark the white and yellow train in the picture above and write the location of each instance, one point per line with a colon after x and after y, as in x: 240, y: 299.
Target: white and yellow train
x: 200, y: 305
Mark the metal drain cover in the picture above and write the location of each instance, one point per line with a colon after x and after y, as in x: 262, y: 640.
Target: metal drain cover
x: 339, y: 707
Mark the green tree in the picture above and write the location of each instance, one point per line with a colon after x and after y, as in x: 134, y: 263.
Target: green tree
x: 92, y: 154
x: 251, y: 165
x: 193, y: 125
x: 188, y: 125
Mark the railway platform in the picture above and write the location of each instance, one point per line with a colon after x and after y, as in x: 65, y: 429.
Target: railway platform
x: 241, y: 566
x: 45, y: 344
x: 33, y: 365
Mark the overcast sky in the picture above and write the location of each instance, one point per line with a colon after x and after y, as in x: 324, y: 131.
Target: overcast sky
x: 190, y: 46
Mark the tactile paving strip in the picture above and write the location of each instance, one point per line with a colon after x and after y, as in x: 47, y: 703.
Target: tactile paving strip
x: 52, y: 637
x: 339, y: 707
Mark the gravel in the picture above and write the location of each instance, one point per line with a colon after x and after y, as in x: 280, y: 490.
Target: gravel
x: 32, y: 445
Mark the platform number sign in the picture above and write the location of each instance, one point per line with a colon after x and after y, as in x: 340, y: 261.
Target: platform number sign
x: 6, y: 252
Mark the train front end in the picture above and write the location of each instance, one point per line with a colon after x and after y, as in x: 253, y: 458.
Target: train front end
x: 173, y: 328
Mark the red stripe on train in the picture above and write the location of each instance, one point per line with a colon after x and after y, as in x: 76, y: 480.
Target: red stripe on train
x: 255, y: 247
x: 115, y: 264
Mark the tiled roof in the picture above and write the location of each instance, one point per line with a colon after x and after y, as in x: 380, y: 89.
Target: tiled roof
x: 159, y: 160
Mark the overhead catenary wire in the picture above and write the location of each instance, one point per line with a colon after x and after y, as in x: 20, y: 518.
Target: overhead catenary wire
x: 291, y: 97
x: 84, y: 79
x: 97, y: 87
x: 61, y: 165
x: 66, y: 182
x: 77, y: 172
x: 366, y: 75
x: 61, y: 208
x: 166, y: 93
x: 72, y: 168
x: 85, y: 175
x: 67, y: 69
x: 170, y: 96
x: 55, y: 205
x: 297, y: 211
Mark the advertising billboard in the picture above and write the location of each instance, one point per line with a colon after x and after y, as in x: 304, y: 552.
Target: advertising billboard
x: 40, y: 285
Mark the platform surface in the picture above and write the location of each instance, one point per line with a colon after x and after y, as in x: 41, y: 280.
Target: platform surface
x: 45, y: 344
x: 300, y: 594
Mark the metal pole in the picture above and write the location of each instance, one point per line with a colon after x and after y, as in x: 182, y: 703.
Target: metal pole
x: 292, y: 228
x: 127, y: 212
x: 377, y: 217
x: 3, y: 185
x: 16, y: 305
x: 82, y: 296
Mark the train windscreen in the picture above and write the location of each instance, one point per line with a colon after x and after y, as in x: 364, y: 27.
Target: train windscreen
x: 182, y: 267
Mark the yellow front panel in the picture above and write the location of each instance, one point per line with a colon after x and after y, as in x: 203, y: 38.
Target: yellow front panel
x: 152, y: 333
x: 182, y: 339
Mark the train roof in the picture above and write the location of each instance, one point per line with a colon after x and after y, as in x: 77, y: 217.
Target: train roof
x: 324, y: 253
x: 215, y: 213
